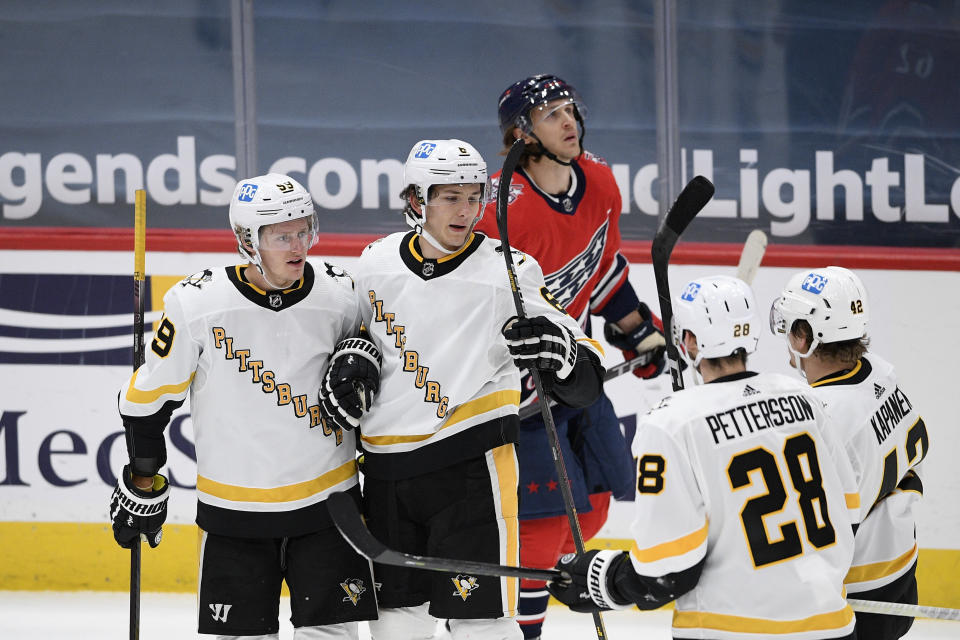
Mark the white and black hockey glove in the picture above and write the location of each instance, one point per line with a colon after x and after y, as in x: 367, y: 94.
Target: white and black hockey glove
x: 137, y: 512
x: 587, y: 591
x: 351, y: 382
x: 644, y: 340
x: 538, y: 343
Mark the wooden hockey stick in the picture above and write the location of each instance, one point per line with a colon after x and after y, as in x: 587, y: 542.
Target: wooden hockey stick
x: 347, y: 519
x: 750, y: 258
x: 688, y: 204
x: 139, y: 276
x: 901, y: 609
x: 503, y: 196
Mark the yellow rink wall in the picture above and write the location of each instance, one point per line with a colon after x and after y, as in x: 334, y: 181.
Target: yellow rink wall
x: 69, y: 556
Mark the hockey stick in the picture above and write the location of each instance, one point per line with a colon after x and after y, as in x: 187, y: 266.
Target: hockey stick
x: 750, y: 257
x: 901, y: 609
x: 688, y: 204
x: 503, y: 195
x: 139, y: 276
x: 347, y: 519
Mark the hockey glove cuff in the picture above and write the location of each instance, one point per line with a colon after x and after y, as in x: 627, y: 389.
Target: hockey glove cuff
x: 138, y: 512
x: 588, y: 590
x: 351, y: 382
x: 645, y: 340
x: 538, y: 343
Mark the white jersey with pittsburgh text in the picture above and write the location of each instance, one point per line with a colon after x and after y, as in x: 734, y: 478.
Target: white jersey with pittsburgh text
x: 449, y: 388
x: 252, y: 363
x: 741, y: 474
x: 886, y: 439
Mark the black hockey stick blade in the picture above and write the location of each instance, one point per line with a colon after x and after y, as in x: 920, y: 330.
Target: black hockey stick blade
x: 688, y: 204
x: 503, y: 189
x: 685, y: 208
x: 347, y: 519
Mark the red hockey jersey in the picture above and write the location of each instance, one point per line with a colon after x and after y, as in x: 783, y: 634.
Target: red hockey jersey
x: 574, y: 236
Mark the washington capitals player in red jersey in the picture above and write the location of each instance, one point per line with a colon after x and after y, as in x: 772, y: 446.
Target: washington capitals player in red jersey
x: 564, y: 210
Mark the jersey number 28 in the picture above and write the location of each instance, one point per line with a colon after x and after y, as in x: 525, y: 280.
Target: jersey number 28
x: 811, y: 498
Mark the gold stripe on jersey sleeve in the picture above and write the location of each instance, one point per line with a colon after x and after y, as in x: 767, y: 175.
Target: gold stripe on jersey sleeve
x: 505, y: 462
x: 723, y: 622
x: 593, y: 343
x: 146, y: 397
x: 848, y: 374
x: 853, y: 500
x: 465, y: 411
x: 877, y: 570
x: 673, y: 548
x: 287, y: 493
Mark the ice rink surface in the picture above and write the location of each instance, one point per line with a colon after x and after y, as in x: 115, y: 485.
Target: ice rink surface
x: 103, y: 616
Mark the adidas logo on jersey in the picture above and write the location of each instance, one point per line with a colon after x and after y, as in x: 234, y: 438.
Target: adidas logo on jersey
x: 877, y: 390
x: 749, y: 391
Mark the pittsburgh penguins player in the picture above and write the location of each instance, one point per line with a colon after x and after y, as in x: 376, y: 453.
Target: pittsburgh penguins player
x: 250, y: 344
x: 744, y: 503
x: 440, y: 471
x: 823, y: 314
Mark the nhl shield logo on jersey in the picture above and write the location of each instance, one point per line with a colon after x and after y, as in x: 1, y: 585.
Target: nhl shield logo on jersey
x: 464, y: 584
x: 275, y: 300
x: 197, y: 279
x: 354, y: 588
x: 427, y: 269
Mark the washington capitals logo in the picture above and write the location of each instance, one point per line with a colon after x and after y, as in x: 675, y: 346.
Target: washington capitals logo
x: 354, y: 589
x: 516, y: 189
x: 464, y: 584
x: 569, y: 281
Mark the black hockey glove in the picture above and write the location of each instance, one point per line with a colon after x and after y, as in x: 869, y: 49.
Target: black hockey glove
x: 587, y: 591
x: 644, y: 340
x: 351, y: 382
x: 137, y: 512
x: 538, y: 343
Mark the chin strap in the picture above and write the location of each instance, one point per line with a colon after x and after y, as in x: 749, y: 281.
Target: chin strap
x: 429, y: 238
x: 255, y: 259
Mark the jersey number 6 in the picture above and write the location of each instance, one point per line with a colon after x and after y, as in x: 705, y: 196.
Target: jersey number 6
x: 811, y: 499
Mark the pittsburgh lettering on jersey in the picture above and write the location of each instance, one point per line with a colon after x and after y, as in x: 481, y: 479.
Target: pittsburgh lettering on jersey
x: 756, y: 416
x: 269, y: 384
x: 889, y: 415
x: 411, y: 359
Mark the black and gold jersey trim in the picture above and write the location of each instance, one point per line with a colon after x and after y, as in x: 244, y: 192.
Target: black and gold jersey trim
x: 266, y: 524
x: 428, y: 268
x: 447, y: 452
x: 858, y: 374
x: 565, y: 203
x: 272, y: 300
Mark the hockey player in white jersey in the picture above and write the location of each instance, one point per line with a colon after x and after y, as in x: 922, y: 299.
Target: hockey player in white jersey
x: 250, y: 344
x: 440, y: 470
x: 744, y: 504
x: 823, y: 316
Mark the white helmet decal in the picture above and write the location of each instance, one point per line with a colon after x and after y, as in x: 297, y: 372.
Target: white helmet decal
x: 721, y: 312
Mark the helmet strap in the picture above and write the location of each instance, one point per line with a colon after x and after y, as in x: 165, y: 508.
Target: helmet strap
x: 433, y: 241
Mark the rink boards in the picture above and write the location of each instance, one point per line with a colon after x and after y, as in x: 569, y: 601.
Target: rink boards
x: 64, y: 352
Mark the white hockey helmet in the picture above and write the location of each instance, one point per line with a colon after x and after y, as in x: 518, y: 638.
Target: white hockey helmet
x: 432, y: 162
x: 832, y: 299
x: 721, y: 312
x: 265, y: 200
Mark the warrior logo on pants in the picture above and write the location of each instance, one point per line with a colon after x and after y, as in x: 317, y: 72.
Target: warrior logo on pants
x: 464, y: 584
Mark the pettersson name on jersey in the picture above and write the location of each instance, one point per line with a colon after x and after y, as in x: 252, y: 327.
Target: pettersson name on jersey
x: 751, y: 417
